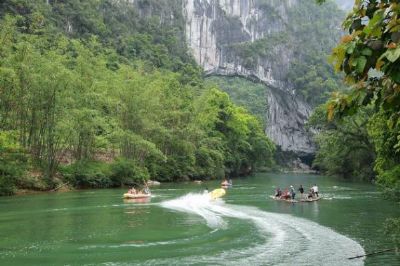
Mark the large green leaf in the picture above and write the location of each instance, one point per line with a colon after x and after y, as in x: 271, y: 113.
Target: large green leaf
x: 373, y: 27
x: 366, y: 52
x: 392, y: 54
x: 361, y: 61
x: 350, y: 47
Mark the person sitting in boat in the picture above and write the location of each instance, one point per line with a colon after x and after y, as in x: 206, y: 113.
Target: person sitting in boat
x: 292, y: 192
x: 278, y: 193
x: 225, y: 183
x: 311, y: 193
x: 132, y: 190
x: 285, y: 194
x: 146, y: 190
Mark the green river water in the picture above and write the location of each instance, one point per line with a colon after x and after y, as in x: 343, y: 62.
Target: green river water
x: 181, y: 226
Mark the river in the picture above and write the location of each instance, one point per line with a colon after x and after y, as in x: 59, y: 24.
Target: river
x: 181, y: 226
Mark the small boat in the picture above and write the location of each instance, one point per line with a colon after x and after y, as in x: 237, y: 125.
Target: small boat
x: 295, y: 201
x: 310, y: 199
x: 136, y: 196
x: 226, y: 184
x: 137, y: 200
x: 217, y: 193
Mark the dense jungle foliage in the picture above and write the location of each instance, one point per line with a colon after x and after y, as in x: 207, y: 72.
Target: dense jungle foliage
x: 244, y: 93
x: 364, y: 119
x: 102, y: 101
x: 363, y: 126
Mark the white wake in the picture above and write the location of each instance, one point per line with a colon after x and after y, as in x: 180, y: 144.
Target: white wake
x: 287, y: 240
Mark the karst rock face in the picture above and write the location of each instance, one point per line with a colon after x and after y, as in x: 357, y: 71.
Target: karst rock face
x: 216, y: 31
x: 259, y: 40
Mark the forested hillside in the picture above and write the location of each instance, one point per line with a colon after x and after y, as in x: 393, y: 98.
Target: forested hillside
x: 360, y: 126
x: 94, y: 95
x: 150, y: 30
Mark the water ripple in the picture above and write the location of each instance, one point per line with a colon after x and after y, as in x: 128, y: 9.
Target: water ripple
x: 287, y: 240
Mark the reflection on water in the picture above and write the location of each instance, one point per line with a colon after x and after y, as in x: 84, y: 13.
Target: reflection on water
x: 315, y: 208
x: 138, y: 200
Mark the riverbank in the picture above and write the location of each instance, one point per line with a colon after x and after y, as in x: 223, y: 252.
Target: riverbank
x: 36, y: 184
x: 65, y: 187
x: 23, y: 191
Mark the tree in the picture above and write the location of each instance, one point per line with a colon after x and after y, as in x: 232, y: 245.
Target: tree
x: 369, y: 57
x: 243, y: 141
x: 344, y: 145
x: 95, y: 112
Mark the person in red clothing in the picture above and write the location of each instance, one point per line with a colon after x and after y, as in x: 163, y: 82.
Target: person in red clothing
x: 285, y: 194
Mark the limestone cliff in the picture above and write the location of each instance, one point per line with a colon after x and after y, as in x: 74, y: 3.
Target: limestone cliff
x: 260, y: 39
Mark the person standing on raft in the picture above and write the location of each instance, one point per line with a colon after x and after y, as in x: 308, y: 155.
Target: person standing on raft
x: 301, y: 190
x: 315, y: 189
x: 292, y: 192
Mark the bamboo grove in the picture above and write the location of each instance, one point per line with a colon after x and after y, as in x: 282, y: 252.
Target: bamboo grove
x: 76, y: 111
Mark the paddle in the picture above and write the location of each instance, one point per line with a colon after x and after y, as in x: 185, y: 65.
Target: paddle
x: 372, y: 253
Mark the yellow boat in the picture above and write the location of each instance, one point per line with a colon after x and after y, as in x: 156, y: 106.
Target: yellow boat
x: 217, y: 193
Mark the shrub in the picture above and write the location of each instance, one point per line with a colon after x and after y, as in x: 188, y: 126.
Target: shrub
x: 88, y: 174
x: 390, y: 183
x: 94, y: 174
x: 7, y: 185
x: 127, y: 172
x: 13, y: 165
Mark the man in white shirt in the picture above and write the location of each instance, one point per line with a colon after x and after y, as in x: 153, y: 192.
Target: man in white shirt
x: 315, y: 189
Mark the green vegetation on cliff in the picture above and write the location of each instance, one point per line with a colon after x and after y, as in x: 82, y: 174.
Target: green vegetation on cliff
x: 308, y: 34
x: 77, y: 108
x: 148, y: 29
x: 244, y: 93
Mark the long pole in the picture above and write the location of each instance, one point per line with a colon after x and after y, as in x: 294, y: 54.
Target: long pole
x: 372, y: 253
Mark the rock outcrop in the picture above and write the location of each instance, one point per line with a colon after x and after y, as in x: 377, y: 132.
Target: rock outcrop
x: 247, y: 38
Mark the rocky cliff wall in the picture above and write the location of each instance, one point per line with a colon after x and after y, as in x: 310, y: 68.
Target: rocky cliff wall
x: 257, y: 39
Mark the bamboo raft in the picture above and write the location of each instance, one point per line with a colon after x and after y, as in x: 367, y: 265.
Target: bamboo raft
x: 296, y: 201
